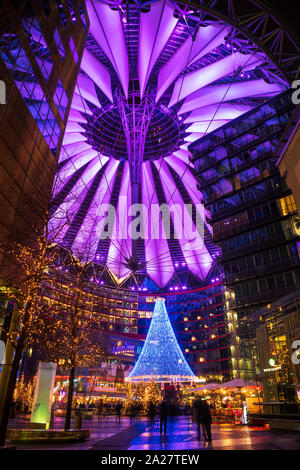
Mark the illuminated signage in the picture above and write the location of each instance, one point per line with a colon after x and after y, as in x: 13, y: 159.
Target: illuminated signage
x: 123, y: 349
x: 273, y: 369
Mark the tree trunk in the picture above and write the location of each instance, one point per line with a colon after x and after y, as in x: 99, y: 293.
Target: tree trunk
x: 10, y: 389
x: 70, y: 398
x: 8, y: 399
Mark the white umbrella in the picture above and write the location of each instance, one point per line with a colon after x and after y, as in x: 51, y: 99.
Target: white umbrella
x: 207, y: 387
x: 238, y: 383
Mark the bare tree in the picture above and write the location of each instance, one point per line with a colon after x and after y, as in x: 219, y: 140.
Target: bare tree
x: 24, y: 265
x: 25, y: 262
x: 71, y: 336
x: 30, y: 268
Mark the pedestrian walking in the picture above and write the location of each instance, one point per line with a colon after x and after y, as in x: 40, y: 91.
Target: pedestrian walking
x: 119, y: 407
x: 198, y: 415
x: 206, y: 421
x: 132, y: 413
x: 99, y: 410
x: 163, y: 414
x: 152, y: 411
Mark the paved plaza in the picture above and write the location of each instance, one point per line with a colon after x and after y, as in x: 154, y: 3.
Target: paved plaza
x: 109, y: 434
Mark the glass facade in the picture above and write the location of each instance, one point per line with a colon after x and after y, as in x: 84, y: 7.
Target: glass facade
x: 36, y: 63
x: 277, y: 338
x: 114, y: 310
x: 39, y: 85
x: 199, y: 319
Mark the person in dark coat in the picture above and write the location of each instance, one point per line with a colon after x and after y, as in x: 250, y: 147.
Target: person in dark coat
x: 99, y: 409
x: 13, y: 410
x: 206, y: 421
x: 152, y: 411
x: 163, y: 414
x: 132, y: 412
x: 119, y: 407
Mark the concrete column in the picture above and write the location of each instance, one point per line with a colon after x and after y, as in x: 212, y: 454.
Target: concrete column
x: 42, y: 401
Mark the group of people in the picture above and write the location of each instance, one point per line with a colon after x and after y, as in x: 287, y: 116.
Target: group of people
x: 102, y: 408
x: 200, y: 409
x: 201, y: 416
x: 18, y: 406
x: 133, y: 411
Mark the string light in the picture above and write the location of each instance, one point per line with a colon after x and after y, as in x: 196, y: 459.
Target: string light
x: 161, y: 358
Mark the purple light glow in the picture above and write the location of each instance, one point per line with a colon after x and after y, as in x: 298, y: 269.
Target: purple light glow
x: 96, y: 70
x: 217, y: 112
x: 195, y: 252
x: 106, y: 27
x: 156, y: 27
x: 192, y: 49
x: 92, y: 175
x: 85, y: 87
x: 79, y: 104
x: 215, y: 94
x: 199, y: 79
x: 160, y: 265
x: 93, y: 223
x: 121, y: 248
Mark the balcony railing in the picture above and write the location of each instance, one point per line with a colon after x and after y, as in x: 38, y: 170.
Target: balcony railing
x: 257, y: 246
x: 235, y: 208
x: 266, y: 297
x: 229, y: 141
x: 244, y: 226
x: 266, y: 268
x: 242, y: 185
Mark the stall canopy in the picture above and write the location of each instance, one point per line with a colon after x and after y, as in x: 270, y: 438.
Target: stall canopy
x: 207, y: 387
x: 238, y: 383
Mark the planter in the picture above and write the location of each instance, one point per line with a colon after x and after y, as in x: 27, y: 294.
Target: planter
x: 47, y: 435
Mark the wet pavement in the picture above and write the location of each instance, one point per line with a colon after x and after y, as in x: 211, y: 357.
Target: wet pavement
x: 109, y: 434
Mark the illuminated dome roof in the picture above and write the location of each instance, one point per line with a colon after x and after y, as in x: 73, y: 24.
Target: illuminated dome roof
x: 152, y: 80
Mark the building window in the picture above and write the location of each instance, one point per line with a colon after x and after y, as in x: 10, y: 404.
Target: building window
x: 287, y: 205
x: 73, y: 50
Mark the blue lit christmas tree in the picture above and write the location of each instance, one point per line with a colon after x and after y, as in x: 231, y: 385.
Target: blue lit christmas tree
x: 161, y: 357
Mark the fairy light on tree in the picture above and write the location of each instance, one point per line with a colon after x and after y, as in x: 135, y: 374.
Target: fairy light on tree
x: 130, y: 398
x: 70, y: 338
x: 25, y: 266
x: 30, y: 265
x: 24, y: 392
x: 141, y: 395
x: 152, y: 395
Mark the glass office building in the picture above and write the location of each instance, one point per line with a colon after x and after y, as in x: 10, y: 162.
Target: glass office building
x: 198, y: 317
x: 252, y: 212
x: 41, y: 44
